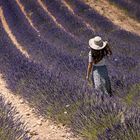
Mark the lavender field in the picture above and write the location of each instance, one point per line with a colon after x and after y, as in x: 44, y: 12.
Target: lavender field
x: 51, y: 73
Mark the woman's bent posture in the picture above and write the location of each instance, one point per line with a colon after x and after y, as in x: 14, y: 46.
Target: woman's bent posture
x: 99, y: 49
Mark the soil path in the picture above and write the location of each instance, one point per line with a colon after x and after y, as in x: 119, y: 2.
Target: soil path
x: 116, y: 15
x: 39, y: 128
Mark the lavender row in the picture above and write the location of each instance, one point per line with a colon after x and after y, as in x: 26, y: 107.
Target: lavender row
x: 132, y: 7
x: 68, y: 20
x: 49, y: 29
x: 10, y: 128
x: 107, y: 120
x: 39, y: 49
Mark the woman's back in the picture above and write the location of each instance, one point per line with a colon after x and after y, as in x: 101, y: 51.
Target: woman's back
x: 99, y: 63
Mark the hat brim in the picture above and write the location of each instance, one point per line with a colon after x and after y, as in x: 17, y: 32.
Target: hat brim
x: 96, y: 47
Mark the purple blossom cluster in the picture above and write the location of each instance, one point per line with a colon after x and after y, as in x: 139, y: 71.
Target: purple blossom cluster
x: 10, y: 128
x: 132, y: 7
x: 53, y: 78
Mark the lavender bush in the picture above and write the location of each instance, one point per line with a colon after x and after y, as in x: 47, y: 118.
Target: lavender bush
x: 10, y: 127
x: 106, y: 120
x: 129, y: 129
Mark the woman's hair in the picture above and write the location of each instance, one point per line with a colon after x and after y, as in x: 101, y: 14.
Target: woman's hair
x: 99, y: 54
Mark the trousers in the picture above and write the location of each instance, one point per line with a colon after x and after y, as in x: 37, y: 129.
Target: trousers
x: 101, y: 80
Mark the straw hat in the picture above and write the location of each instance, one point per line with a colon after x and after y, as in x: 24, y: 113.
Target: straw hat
x: 97, y: 43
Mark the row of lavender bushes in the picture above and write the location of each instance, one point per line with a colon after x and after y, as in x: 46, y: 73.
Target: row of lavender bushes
x: 132, y: 7
x: 57, y: 91
x: 10, y: 127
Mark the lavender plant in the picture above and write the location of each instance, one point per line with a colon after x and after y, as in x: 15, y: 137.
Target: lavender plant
x: 129, y: 129
x: 10, y: 127
x: 106, y: 120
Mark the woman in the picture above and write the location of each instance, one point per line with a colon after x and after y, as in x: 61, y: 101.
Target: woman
x: 99, y: 49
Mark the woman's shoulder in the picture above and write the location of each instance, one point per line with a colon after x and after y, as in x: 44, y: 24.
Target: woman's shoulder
x: 90, y: 54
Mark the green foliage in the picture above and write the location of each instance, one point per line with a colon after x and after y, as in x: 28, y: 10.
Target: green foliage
x: 64, y: 114
x: 96, y: 126
x: 133, y: 94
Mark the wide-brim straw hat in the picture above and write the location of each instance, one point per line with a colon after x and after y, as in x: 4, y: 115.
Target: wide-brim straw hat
x: 97, y: 43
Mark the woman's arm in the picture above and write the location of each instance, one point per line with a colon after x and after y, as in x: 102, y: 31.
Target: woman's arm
x: 90, y: 65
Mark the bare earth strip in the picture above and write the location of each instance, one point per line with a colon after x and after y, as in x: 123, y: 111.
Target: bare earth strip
x: 23, y: 11
x: 39, y: 128
x: 116, y: 15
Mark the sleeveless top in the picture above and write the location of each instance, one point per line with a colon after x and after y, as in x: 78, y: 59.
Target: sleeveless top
x: 100, y: 63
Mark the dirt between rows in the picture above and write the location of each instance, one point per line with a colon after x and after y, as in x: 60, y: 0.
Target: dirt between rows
x: 116, y: 15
